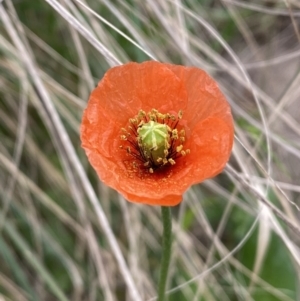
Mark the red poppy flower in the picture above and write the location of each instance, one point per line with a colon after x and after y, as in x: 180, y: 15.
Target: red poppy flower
x: 151, y: 130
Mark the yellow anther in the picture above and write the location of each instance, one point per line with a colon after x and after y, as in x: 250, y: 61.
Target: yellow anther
x: 179, y: 148
x: 161, y: 116
x: 146, y: 155
x: 133, y: 120
x: 175, y: 134
x: 171, y: 161
x: 151, y: 170
x: 183, y: 153
x: 141, y: 114
x: 180, y: 113
x: 159, y: 160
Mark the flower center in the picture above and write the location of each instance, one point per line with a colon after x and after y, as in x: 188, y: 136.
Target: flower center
x: 154, y: 140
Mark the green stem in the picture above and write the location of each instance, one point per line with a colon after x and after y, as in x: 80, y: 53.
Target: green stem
x: 166, y: 251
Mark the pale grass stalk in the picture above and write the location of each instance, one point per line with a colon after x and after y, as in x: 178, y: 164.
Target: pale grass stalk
x: 32, y: 259
x: 12, y: 288
x: 111, y: 59
x: 281, y: 59
x: 103, y: 20
x: 51, y: 52
x: 278, y: 190
x: 61, y: 91
x: 264, y: 200
x: 133, y: 233
x: 139, y: 36
x: 26, y: 183
x: 203, y: 220
x: 291, y: 14
x: 275, y: 184
x: 18, y: 149
x: 243, y: 27
x: 87, y: 76
x: 263, y: 9
x: 224, y: 252
x: 43, y: 236
x: 92, y: 25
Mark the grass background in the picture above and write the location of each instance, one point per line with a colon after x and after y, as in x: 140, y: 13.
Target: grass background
x: 66, y: 236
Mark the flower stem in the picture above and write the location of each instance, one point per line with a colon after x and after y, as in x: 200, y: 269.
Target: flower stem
x: 166, y: 251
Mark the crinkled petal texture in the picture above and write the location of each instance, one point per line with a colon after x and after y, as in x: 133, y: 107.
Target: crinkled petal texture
x: 119, y: 96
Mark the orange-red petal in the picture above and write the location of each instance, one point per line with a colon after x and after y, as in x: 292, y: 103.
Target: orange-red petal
x: 126, y: 89
x: 204, y: 96
x: 210, y: 144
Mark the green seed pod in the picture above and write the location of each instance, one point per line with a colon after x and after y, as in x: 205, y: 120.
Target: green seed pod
x: 154, y: 139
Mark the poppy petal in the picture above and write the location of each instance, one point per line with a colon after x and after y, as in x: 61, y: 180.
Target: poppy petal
x: 204, y: 96
x: 211, y: 144
x: 126, y: 89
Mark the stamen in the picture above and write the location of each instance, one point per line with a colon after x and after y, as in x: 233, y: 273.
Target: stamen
x: 175, y: 134
x: 171, y: 161
x: 133, y: 120
x: 179, y: 148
